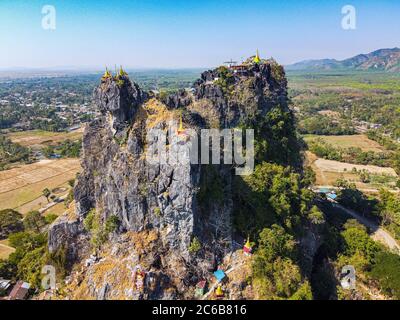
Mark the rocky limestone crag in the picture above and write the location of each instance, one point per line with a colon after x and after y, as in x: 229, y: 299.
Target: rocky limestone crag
x: 116, y: 179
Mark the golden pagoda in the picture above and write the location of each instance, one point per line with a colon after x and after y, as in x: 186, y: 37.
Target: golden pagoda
x: 247, y: 248
x: 122, y: 72
x: 257, y: 59
x: 180, y: 130
x: 107, y: 74
x: 218, y: 292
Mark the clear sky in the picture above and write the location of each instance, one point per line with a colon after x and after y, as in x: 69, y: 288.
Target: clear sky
x: 201, y: 33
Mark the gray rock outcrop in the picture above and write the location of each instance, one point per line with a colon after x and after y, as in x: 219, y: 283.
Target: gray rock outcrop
x: 178, y: 200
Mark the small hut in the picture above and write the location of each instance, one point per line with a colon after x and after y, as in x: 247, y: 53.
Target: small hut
x: 20, y: 291
x: 219, y: 275
x: 200, y: 288
x: 139, y: 279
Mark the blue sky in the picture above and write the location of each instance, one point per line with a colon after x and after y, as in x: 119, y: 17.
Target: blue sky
x: 178, y: 34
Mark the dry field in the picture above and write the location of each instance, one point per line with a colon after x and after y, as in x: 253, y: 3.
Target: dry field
x: 5, y: 250
x: 336, y: 166
x: 359, y: 140
x: 38, y: 138
x: 328, y: 171
x: 21, y: 187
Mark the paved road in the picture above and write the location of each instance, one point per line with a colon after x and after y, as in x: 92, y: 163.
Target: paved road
x: 378, y: 233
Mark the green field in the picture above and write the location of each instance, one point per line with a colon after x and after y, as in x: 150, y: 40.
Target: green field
x: 369, y: 97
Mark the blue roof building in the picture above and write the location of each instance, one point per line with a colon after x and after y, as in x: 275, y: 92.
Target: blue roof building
x: 220, y: 275
x: 331, y: 195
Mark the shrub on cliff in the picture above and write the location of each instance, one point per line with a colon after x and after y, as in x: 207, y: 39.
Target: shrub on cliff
x: 195, y: 245
x: 112, y: 224
x: 99, y: 231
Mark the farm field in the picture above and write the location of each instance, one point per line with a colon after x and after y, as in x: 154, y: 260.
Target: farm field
x: 349, y: 141
x: 37, y: 139
x: 21, y: 187
x: 328, y: 172
x: 5, y: 249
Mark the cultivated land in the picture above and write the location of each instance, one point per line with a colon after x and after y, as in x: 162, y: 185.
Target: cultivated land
x: 329, y: 171
x: 336, y: 166
x: 349, y: 141
x: 5, y: 249
x: 39, y: 138
x: 21, y: 187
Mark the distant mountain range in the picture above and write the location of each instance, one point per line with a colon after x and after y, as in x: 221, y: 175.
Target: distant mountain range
x: 379, y: 60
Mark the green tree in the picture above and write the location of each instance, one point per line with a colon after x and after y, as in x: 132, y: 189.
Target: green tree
x: 272, y: 194
x: 46, y: 192
x: 309, y: 177
x: 389, y: 207
x: 34, y: 221
x: 386, y: 271
x: 30, y: 266
x: 357, y: 240
x: 27, y: 241
x: 8, y: 270
x: 303, y: 293
x: 316, y: 216
x: 10, y: 222
x: 274, y: 242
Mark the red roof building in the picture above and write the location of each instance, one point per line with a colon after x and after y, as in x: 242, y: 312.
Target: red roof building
x: 20, y: 291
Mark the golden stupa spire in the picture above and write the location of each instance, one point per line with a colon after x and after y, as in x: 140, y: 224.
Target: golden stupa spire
x: 180, y: 124
x: 122, y: 72
x: 180, y: 130
x: 219, y: 292
x: 257, y: 58
x: 107, y: 74
x: 248, y: 244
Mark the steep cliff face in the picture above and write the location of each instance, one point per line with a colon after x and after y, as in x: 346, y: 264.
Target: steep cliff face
x: 237, y: 97
x: 117, y: 180
x: 173, y: 200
